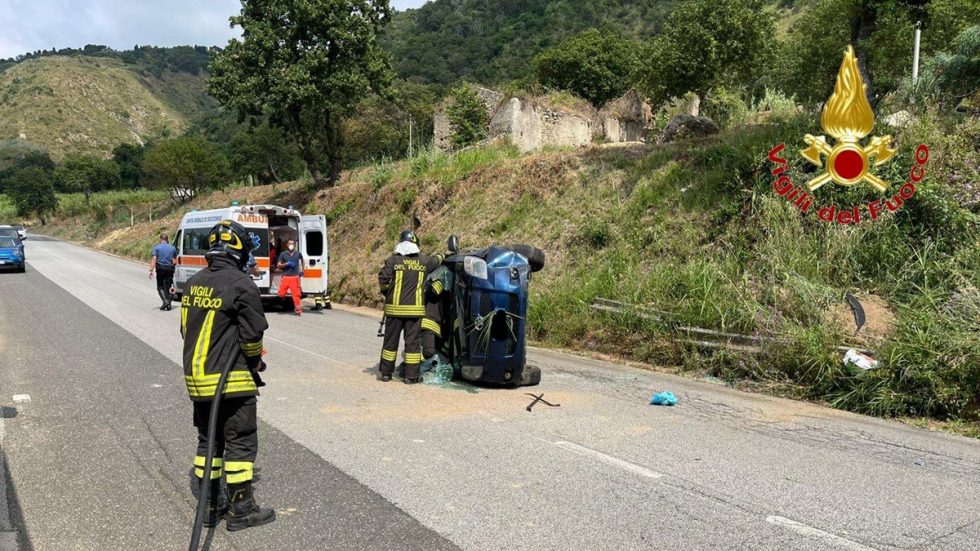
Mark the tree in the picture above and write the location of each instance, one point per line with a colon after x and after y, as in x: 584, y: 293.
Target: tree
x: 184, y: 167
x: 708, y: 43
x: 594, y: 65
x: 306, y: 65
x: 38, y: 159
x: 881, y: 32
x: 380, y: 126
x: 956, y: 74
x: 129, y: 159
x: 32, y: 191
x: 266, y: 153
x: 468, y: 117
x: 86, y: 175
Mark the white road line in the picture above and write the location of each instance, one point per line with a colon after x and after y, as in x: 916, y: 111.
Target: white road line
x: 817, y: 533
x: 305, y: 350
x: 608, y: 459
x: 22, y: 398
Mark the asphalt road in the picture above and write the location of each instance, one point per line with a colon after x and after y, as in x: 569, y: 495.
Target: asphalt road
x: 99, y: 456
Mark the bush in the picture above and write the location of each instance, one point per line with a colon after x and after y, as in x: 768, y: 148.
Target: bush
x: 468, y: 117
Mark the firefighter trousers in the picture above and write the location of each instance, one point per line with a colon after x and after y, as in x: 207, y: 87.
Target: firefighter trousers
x: 394, y: 327
x: 236, y: 440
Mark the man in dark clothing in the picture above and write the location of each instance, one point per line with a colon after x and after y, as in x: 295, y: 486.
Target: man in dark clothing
x: 221, y: 318
x: 402, y: 282
x: 291, y: 264
x: 163, y: 255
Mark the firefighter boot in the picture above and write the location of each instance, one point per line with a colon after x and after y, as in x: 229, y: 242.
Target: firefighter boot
x: 217, y: 504
x: 243, y: 511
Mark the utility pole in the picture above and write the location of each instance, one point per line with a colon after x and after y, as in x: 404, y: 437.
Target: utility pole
x: 915, y: 53
x: 411, y: 145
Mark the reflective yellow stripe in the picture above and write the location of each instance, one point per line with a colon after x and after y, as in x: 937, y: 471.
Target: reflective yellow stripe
x: 233, y: 377
x: 437, y: 287
x: 215, y: 473
x: 405, y: 311
x: 389, y: 355
x: 203, y: 345
x: 237, y: 472
x: 183, y: 321
x: 413, y: 358
x: 215, y: 467
x: 419, y: 287
x: 397, y: 296
x: 215, y: 462
x: 252, y: 349
x: 431, y: 325
x: 208, y: 391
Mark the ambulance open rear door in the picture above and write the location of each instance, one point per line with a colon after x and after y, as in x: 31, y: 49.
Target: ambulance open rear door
x: 316, y: 253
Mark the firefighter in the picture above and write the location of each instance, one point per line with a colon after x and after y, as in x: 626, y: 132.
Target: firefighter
x: 437, y: 285
x: 221, y: 316
x: 402, y: 281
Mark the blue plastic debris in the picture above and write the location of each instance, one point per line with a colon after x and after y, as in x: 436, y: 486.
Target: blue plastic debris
x: 664, y: 398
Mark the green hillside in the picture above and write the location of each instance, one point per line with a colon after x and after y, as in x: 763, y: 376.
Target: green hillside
x: 492, y: 41
x: 84, y: 104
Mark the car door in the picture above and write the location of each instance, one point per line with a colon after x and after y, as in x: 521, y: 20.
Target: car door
x: 313, y: 233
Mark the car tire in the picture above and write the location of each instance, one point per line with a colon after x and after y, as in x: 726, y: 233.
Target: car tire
x: 530, y: 376
x: 22, y: 269
x: 535, y: 256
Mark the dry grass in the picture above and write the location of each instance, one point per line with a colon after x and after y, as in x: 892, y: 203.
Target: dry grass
x: 81, y: 105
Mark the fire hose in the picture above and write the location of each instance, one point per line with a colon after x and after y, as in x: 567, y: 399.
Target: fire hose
x: 204, y: 490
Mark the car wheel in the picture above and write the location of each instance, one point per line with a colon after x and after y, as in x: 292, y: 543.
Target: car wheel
x: 531, y: 375
x: 534, y: 255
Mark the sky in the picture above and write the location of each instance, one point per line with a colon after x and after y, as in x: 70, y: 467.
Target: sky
x: 29, y: 25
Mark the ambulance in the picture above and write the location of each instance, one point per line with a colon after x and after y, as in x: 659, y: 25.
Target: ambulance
x: 270, y: 228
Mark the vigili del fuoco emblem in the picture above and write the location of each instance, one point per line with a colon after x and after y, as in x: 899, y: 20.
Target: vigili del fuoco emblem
x: 848, y: 119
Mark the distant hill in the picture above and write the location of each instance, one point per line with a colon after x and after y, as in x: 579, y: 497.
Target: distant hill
x: 85, y: 103
x: 492, y: 41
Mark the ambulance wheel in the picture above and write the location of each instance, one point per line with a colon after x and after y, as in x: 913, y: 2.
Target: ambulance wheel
x: 534, y: 255
x: 531, y: 375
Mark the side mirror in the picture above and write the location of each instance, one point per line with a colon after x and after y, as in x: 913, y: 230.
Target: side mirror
x: 452, y: 244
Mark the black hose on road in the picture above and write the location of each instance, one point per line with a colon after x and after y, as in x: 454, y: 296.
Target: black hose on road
x: 205, y: 489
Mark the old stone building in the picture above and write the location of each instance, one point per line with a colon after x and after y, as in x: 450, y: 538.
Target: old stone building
x: 535, y: 123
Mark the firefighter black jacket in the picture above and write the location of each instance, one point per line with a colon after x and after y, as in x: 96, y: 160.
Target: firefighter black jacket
x: 402, y: 280
x: 220, y: 314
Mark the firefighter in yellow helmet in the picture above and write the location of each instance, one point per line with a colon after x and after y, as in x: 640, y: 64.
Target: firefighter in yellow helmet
x: 402, y: 282
x: 221, y: 316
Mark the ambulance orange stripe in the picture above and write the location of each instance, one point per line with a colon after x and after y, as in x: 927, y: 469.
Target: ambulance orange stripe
x: 192, y: 261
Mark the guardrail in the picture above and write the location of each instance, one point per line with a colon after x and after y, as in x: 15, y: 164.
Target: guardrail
x: 701, y: 337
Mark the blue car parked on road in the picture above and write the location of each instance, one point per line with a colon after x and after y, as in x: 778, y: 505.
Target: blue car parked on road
x: 12, y: 253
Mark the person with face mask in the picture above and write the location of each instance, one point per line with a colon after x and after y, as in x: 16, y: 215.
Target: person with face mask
x: 291, y: 264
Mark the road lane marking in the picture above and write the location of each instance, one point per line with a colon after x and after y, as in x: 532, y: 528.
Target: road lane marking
x: 306, y: 350
x: 608, y: 459
x: 22, y: 398
x: 817, y: 533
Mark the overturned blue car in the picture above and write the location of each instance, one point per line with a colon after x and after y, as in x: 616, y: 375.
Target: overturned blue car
x: 481, y: 312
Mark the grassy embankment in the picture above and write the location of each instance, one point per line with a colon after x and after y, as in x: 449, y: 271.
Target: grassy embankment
x: 90, y: 105
x: 693, y: 229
